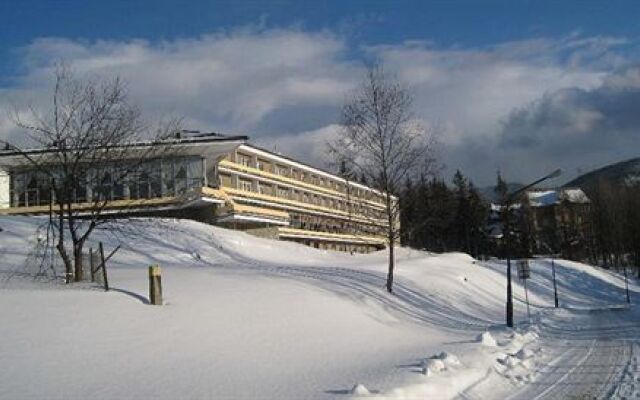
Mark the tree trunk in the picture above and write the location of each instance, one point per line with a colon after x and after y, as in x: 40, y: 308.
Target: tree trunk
x: 67, y: 262
x: 391, y: 265
x: 78, y: 262
x: 61, y: 249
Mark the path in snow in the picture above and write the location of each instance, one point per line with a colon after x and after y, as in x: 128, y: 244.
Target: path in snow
x: 598, y: 356
x: 593, y: 345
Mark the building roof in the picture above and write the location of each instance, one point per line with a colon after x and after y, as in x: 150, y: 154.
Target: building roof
x: 544, y: 198
x: 178, y: 139
x: 184, y: 142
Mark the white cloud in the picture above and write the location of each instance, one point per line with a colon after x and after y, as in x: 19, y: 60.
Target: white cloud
x: 284, y: 87
x: 474, y: 89
x: 232, y: 80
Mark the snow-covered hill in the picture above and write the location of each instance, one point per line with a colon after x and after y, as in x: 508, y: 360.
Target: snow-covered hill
x: 253, y: 318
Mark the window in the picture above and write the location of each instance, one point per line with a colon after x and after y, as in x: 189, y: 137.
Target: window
x: 142, y: 182
x: 103, y: 183
x: 244, y: 160
x: 264, y: 188
x: 17, y: 190
x: 181, y: 180
x: 195, y: 173
x: 168, y: 187
x: 245, y: 185
x: 283, y: 192
x: 225, y: 180
x: 283, y: 171
x: 155, y: 183
x: 119, y: 172
x: 32, y: 190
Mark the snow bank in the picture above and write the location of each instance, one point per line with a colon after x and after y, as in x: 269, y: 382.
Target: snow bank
x: 360, y: 390
x: 255, y: 318
x: 487, y: 340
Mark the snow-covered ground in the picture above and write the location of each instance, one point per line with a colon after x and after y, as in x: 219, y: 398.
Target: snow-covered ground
x: 253, y: 318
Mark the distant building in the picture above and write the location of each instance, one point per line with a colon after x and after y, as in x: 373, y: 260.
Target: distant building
x: 559, y: 220
x: 544, y: 221
x: 221, y: 180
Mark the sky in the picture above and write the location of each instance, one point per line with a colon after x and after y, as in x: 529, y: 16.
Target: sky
x: 523, y: 87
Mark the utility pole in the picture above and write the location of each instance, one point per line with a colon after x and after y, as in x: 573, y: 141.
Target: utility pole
x: 508, y: 255
x: 553, y: 273
x: 555, y: 287
x: 507, y: 232
x: 626, y: 284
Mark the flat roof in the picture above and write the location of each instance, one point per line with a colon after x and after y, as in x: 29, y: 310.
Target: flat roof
x: 178, y: 140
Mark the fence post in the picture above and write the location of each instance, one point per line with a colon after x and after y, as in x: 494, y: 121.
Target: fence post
x: 91, y: 266
x: 104, y: 268
x: 155, y: 285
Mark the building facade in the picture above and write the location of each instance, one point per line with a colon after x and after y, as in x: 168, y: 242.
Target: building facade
x: 216, y: 179
x: 560, y: 220
x: 546, y: 221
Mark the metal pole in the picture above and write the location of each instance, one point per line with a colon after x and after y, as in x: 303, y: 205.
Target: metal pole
x: 508, y: 255
x: 506, y: 205
x: 526, y: 296
x: 555, y: 287
x: 626, y: 284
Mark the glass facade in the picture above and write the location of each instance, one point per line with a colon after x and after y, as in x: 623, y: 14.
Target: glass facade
x: 122, y: 181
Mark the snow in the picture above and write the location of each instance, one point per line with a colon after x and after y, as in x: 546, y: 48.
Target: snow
x: 433, y: 365
x: 575, y: 196
x: 487, y: 340
x: 543, y: 198
x: 524, y: 354
x: 360, y: 390
x: 246, y: 317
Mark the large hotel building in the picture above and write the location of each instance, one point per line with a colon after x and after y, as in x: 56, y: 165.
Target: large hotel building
x: 217, y: 179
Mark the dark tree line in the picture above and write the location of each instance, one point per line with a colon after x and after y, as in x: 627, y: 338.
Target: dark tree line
x: 615, y: 225
x: 440, y: 217
x: 437, y: 216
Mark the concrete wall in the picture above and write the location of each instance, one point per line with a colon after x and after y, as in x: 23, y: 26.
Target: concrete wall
x: 5, y: 199
x: 269, y: 233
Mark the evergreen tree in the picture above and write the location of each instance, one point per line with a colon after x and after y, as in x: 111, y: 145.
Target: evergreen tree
x: 437, y: 217
x: 501, y: 190
x: 463, y: 213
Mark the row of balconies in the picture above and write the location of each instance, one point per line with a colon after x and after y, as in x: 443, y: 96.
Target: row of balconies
x: 297, y: 195
x: 288, y: 171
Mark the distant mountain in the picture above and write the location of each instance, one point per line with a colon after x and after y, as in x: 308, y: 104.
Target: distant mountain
x: 488, y: 192
x: 621, y: 173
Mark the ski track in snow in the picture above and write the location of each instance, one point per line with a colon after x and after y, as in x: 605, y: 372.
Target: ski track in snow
x: 409, y: 302
x: 597, y: 358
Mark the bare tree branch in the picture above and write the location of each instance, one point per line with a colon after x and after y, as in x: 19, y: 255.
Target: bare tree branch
x: 382, y: 141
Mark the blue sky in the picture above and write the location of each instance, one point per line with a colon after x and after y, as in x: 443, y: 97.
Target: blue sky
x: 447, y: 23
x: 504, y: 83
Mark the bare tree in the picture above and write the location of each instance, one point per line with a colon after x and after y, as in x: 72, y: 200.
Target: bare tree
x: 89, y: 142
x: 382, y: 141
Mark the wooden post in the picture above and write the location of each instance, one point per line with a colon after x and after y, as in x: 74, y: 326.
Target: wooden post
x: 155, y: 285
x: 91, y: 266
x: 104, y: 269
